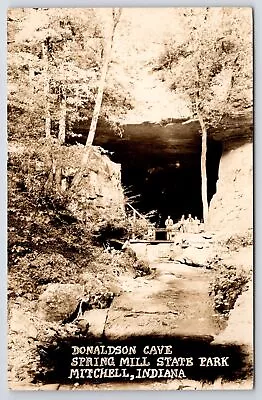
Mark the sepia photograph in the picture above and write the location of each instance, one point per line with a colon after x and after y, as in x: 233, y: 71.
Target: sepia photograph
x: 130, y: 198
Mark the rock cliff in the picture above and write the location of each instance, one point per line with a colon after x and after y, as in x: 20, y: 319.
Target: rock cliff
x: 100, y: 188
x: 231, y: 208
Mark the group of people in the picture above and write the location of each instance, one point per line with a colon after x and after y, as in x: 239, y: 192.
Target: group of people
x: 184, y: 225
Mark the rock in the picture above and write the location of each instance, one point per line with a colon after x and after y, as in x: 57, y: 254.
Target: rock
x: 123, y: 325
x: 100, y: 185
x: 242, y: 258
x: 139, y: 304
x: 197, y: 256
x: 59, y: 301
x: 92, y: 284
x: 231, y: 208
x: 50, y: 386
x: 22, y: 386
x: 21, y: 324
x: 239, y: 329
x: 207, y: 236
x: 95, y: 319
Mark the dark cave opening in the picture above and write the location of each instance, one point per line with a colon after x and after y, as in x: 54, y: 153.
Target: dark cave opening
x: 171, y: 187
x: 161, y: 168
x: 167, y: 184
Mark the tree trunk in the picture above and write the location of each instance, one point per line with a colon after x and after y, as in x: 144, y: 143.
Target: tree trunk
x: 99, y: 97
x: 31, y: 75
x: 203, y: 168
x: 46, y: 93
x: 116, y: 13
x: 62, y: 121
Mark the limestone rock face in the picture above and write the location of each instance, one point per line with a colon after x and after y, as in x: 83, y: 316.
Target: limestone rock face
x: 96, y: 321
x: 100, y: 188
x: 239, y: 330
x: 59, y: 301
x: 87, y: 178
x: 231, y: 206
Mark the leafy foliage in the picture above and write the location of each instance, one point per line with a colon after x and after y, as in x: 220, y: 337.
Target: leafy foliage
x: 55, y: 58
x: 212, y: 65
x: 46, y: 242
x: 228, y: 283
x: 142, y: 268
x: 110, y: 227
x: 31, y: 273
x: 238, y: 241
x: 38, y: 255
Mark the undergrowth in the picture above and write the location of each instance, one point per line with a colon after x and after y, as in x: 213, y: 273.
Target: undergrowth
x: 227, y: 285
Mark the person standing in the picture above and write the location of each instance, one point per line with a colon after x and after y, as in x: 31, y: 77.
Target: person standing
x: 182, y: 224
x: 151, y: 233
x: 196, y: 225
x: 169, y: 223
x: 190, y: 222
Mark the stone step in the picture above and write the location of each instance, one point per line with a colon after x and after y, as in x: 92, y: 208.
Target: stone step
x: 123, y: 325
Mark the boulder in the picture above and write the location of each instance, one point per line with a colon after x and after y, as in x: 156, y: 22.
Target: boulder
x: 195, y: 256
x: 95, y: 321
x: 21, y: 324
x: 59, y: 301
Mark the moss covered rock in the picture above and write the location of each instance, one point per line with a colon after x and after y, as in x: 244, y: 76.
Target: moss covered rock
x: 59, y: 301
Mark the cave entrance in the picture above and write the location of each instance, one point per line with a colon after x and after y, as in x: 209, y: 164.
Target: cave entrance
x: 164, y: 184
x: 161, y: 171
x: 174, y: 187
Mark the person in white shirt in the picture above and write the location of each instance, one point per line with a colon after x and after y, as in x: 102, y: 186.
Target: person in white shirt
x: 169, y: 223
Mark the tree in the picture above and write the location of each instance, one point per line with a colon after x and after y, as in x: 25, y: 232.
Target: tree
x: 58, y: 53
x: 116, y: 13
x: 54, y: 37
x: 25, y: 105
x: 46, y: 91
x: 212, y: 68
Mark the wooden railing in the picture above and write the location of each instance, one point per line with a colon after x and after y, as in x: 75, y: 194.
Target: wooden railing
x: 152, y: 231
x: 136, y: 213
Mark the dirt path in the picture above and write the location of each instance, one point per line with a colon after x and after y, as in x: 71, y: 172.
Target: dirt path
x: 174, y: 301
